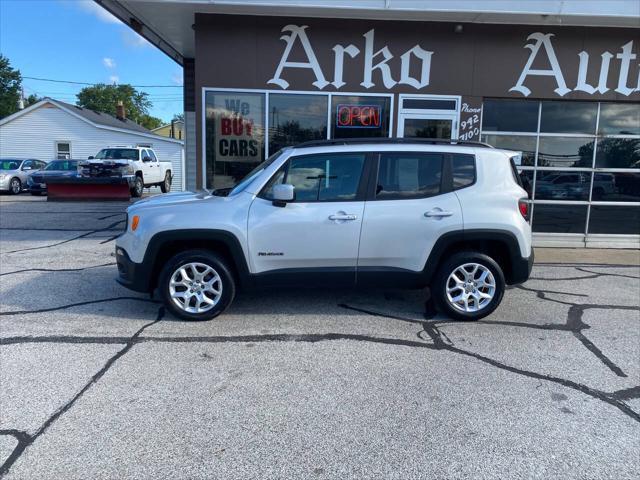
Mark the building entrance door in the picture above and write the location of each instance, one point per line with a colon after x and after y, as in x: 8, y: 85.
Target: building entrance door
x: 425, y: 116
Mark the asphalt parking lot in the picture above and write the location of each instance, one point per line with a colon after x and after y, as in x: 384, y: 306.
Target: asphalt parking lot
x: 98, y: 382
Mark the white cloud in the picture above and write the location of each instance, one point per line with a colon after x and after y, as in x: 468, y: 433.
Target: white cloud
x: 177, y: 79
x: 114, y: 79
x: 92, y: 7
x: 109, y: 62
x: 132, y: 39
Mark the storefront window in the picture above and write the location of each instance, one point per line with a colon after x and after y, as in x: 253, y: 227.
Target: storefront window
x: 565, y: 117
x: 565, y: 152
x: 526, y: 145
x: 616, y: 187
x: 234, y: 133
x: 360, y: 116
x: 559, y: 218
x: 619, y: 119
x: 563, y: 185
x: 618, y: 153
x: 567, y: 180
x: 614, y: 220
x: 510, y: 115
x: 295, y: 119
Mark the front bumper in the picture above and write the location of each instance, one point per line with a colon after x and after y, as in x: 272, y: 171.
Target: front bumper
x: 134, y: 276
x: 521, y: 269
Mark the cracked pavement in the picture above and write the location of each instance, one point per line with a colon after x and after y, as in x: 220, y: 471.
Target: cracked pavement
x: 98, y: 382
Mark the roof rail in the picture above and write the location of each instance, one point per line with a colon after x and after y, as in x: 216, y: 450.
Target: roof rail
x: 357, y: 141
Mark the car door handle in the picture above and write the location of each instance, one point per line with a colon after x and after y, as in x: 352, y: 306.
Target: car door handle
x: 340, y: 216
x: 437, y: 213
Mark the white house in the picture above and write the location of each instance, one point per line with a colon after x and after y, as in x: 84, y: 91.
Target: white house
x: 51, y: 129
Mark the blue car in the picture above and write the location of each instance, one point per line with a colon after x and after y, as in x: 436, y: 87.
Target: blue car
x: 37, y: 181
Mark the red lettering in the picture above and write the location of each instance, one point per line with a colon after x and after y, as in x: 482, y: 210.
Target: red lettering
x: 225, y: 126
x: 237, y: 126
x: 344, y: 115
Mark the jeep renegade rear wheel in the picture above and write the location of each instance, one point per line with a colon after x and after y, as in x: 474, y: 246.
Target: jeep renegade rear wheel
x: 197, y: 285
x: 469, y: 286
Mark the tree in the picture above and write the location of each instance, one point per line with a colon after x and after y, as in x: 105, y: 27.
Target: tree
x: 31, y: 99
x: 149, y: 122
x: 178, y: 117
x: 104, y: 98
x: 10, y: 87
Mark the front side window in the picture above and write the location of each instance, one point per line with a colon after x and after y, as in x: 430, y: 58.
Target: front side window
x: 321, y: 178
x: 152, y: 155
x: 407, y: 175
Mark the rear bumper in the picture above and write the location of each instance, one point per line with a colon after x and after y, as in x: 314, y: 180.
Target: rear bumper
x: 521, y: 269
x: 134, y: 276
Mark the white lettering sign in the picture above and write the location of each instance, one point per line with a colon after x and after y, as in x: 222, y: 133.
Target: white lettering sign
x: 544, y: 40
x: 298, y: 33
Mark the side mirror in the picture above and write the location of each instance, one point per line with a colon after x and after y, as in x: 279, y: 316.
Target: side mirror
x: 282, y: 194
x: 90, y: 157
x: 146, y: 159
x: 26, y: 168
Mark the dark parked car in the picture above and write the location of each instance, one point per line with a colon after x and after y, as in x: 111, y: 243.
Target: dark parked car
x: 37, y: 181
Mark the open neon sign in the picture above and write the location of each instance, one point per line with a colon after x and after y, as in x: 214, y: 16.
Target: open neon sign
x: 358, y: 116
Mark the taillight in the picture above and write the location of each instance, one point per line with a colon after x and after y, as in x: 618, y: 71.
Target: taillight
x: 524, y: 207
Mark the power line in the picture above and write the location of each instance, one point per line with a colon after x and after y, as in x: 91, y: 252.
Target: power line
x: 87, y: 83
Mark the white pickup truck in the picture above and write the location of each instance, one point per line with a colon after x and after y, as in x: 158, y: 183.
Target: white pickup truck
x: 145, y: 167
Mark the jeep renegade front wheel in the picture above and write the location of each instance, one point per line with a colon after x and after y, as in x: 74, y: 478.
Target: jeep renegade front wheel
x: 197, y: 285
x: 468, y: 286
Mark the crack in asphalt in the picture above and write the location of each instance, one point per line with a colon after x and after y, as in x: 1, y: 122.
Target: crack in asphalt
x: 25, y: 440
x: 440, y: 341
x: 431, y: 337
x: 78, y: 237
x: 79, y: 269
x: 576, y: 325
x: 77, y: 304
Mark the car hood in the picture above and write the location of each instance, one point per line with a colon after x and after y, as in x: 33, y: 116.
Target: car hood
x: 171, y: 199
x: 53, y: 173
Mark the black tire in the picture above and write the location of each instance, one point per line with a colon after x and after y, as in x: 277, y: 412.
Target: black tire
x: 439, y: 286
x: 205, y: 257
x: 138, y: 187
x: 166, y: 185
x: 15, y: 186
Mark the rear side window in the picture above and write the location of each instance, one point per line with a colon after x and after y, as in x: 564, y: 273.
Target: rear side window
x: 406, y: 175
x: 463, y: 170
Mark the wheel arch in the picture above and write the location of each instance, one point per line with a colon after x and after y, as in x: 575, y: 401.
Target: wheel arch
x: 165, y: 245
x: 500, y: 245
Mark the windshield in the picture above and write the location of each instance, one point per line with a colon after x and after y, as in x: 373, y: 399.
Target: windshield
x: 249, y: 177
x: 9, y: 164
x: 62, y: 165
x: 117, y: 154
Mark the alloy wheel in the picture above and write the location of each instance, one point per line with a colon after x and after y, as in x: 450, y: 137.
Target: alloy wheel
x: 195, y: 287
x: 15, y: 186
x: 470, y: 287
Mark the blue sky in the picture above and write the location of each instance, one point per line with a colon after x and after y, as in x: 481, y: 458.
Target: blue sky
x: 78, y: 40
